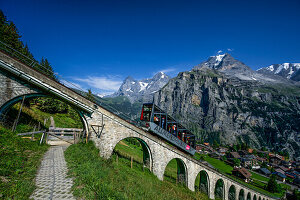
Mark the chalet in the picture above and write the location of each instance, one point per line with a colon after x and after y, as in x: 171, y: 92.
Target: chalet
x: 284, y: 168
x: 261, y: 160
x: 279, y: 176
x: 279, y: 171
x: 245, y: 162
x: 222, y: 150
x: 242, y: 173
x: 198, y: 148
x: 291, y: 175
x: 249, y: 161
x: 275, y: 160
x: 234, y: 155
x: 265, y: 171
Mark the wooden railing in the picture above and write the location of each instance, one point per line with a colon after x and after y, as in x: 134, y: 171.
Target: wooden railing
x: 58, y: 133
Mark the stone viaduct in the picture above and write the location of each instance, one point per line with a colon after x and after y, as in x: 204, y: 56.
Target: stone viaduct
x: 18, y: 80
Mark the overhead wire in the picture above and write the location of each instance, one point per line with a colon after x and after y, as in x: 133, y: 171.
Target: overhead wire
x: 62, y: 81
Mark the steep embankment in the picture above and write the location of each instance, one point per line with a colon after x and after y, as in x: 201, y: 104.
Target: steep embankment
x: 231, y: 110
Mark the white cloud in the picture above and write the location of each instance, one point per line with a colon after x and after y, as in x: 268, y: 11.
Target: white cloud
x: 101, y: 83
x: 220, y: 51
x: 229, y: 49
x: 168, y: 70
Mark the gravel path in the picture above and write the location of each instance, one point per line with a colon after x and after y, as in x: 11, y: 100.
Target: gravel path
x: 51, y: 180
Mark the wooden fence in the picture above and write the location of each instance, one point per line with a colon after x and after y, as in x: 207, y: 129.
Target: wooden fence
x: 58, y: 133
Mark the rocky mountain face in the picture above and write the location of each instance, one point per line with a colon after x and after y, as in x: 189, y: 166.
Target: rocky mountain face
x: 224, y: 99
x: 287, y: 70
x: 141, y: 90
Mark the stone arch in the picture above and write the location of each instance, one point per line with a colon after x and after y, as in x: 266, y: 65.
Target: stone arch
x: 231, y: 193
x: 254, y: 197
x: 219, y: 189
x: 181, y: 170
x: 147, y: 155
x: 203, y: 182
x: 9, y: 103
x: 241, y: 194
x: 248, y: 196
x: 6, y: 105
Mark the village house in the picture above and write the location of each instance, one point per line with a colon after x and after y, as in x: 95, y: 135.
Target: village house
x: 234, y: 155
x: 222, y: 150
x: 265, y: 171
x: 275, y: 160
x: 242, y: 173
x: 279, y: 176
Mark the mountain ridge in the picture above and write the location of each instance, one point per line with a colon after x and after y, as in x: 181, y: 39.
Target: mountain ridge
x: 141, y: 90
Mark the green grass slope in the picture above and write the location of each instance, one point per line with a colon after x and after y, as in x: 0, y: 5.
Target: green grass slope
x: 20, y: 159
x: 96, y: 178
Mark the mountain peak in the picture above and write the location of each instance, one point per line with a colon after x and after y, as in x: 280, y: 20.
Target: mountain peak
x: 286, y: 70
x: 223, y: 62
x: 142, y: 89
x: 160, y: 75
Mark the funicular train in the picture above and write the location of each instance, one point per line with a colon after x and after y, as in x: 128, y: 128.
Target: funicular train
x: 163, y: 125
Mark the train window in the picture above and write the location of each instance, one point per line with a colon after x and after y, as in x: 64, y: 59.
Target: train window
x: 147, y: 116
x: 156, y: 119
x: 147, y: 108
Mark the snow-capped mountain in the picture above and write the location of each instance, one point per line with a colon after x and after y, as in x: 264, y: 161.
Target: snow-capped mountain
x: 142, y: 89
x: 287, y: 70
x: 224, y: 62
x: 233, y: 68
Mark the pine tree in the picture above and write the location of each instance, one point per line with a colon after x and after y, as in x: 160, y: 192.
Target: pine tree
x: 90, y: 95
x: 273, y: 185
x: 47, y: 69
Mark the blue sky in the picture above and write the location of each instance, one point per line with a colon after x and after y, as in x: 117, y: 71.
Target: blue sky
x: 96, y: 44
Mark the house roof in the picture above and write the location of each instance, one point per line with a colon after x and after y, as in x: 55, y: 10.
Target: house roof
x: 279, y: 174
x: 279, y: 171
x: 243, y: 171
x: 265, y: 170
x: 235, y: 154
x: 260, y: 159
x: 250, y: 156
x: 284, y: 168
x: 245, y: 160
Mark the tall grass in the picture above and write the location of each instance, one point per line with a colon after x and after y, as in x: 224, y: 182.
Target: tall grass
x: 20, y: 159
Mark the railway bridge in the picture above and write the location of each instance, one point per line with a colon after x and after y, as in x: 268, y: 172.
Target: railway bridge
x: 18, y: 81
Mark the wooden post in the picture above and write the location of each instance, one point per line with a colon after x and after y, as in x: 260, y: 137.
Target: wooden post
x: 47, y: 138
x: 42, y: 138
x: 32, y: 135
x: 131, y: 162
x: 16, y: 122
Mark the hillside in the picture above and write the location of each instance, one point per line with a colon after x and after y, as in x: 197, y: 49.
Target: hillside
x: 230, y: 110
x: 97, y: 178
